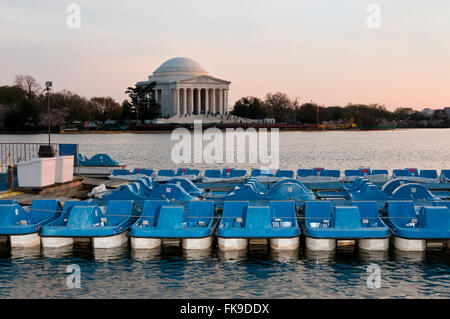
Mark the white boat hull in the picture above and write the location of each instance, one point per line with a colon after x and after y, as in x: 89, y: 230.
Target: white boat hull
x: 110, y: 241
x: 145, y: 243
x: 229, y: 244
x: 320, y: 244
x: 410, y: 244
x: 285, y: 243
x: 25, y: 241
x: 56, y: 242
x: 373, y: 244
x: 197, y: 243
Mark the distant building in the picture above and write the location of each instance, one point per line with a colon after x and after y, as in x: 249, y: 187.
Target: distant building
x: 183, y: 87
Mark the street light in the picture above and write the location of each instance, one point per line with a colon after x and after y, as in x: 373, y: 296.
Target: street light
x: 48, y: 86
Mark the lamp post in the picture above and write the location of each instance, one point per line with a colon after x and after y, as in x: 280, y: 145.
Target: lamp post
x: 48, y: 86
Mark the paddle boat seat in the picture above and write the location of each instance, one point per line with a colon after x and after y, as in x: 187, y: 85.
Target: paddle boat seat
x: 242, y: 220
x: 358, y: 221
x: 161, y: 220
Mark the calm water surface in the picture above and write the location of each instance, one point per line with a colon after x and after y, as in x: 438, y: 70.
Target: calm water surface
x: 173, y: 273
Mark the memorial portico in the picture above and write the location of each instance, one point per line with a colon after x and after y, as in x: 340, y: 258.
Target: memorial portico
x: 183, y: 87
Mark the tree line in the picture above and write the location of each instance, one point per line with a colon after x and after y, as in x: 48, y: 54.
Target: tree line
x: 284, y: 109
x: 23, y: 107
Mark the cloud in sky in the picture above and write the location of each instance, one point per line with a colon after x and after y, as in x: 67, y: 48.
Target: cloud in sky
x: 315, y: 50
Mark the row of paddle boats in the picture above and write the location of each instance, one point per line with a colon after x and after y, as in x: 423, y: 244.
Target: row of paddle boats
x: 196, y: 223
x: 181, y: 189
x: 314, y: 175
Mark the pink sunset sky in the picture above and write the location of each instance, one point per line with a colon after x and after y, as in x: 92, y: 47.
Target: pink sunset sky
x: 312, y: 50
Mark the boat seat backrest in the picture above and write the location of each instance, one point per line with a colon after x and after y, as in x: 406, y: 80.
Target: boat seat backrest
x: 284, y: 210
x: 233, y: 210
x: 200, y: 211
x: 305, y: 172
x: 317, y: 211
x: 170, y: 217
x: 380, y: 172
x: 331, y: 173
x: 352, y: 172
x: 120, y: 172
x: 346, y: 217
x: 429, y: 173
x: 11, y: 214
x: 238, y: 173
x: 42, y: 209
x: 400, y: 173
x: 401, y: 212
x: 436, y: 218
x: 84, y: 217
x: 258, y: 217
x: 151, y: 210
x: 166, y: 172
x: 118, y: 210
x: 213, y: 173
x: 285, y: 173
x: 368, y: 209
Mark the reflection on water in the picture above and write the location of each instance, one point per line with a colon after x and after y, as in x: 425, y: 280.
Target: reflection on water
x: 171, y: 272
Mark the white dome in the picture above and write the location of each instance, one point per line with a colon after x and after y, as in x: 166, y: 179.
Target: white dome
x: 180, y: 66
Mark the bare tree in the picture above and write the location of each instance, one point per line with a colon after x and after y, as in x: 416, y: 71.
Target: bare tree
x: 28, y: 84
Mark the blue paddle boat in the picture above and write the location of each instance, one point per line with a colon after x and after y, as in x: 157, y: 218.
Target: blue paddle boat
x: 106, y: 224
x: 324, y: 224
x: 414, y: 225
x: 22, y: 226
x: 318, y: 175
x: 160, y: 220
x: 375, y: 176
x: 242, y: 221
x: 227, y: 175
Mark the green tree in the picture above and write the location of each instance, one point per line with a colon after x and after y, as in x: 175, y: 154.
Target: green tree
x: 143, y: 101
x: 249, y: 107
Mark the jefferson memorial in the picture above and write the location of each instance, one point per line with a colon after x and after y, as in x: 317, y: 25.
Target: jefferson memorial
x: 184, y: 88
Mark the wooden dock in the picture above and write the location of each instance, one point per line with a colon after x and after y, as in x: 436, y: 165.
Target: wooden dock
x: 76, y: 189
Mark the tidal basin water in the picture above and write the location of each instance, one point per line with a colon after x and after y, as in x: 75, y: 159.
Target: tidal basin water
x: 259, y: 272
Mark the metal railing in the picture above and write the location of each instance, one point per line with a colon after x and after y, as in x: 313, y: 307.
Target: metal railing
x: 18, y: 152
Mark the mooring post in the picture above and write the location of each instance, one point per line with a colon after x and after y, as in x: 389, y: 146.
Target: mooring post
x: 10, y: 174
